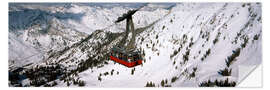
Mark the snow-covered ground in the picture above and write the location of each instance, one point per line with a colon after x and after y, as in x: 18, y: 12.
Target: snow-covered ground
x: 187, y: 44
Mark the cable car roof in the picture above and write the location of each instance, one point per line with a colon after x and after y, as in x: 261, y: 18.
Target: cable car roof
x: 124, y: 51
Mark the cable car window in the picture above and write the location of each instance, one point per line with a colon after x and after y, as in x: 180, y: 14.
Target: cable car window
x: 129, y: 59
x: 125, y: 58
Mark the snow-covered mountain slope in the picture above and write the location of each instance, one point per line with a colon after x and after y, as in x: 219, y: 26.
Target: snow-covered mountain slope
x: 190, y: 44
x: 41, y: 29
x: 192, y: 31
x: 37, y: 31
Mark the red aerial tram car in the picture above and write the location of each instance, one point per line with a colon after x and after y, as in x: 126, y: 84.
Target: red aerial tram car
x: 127, y: 58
